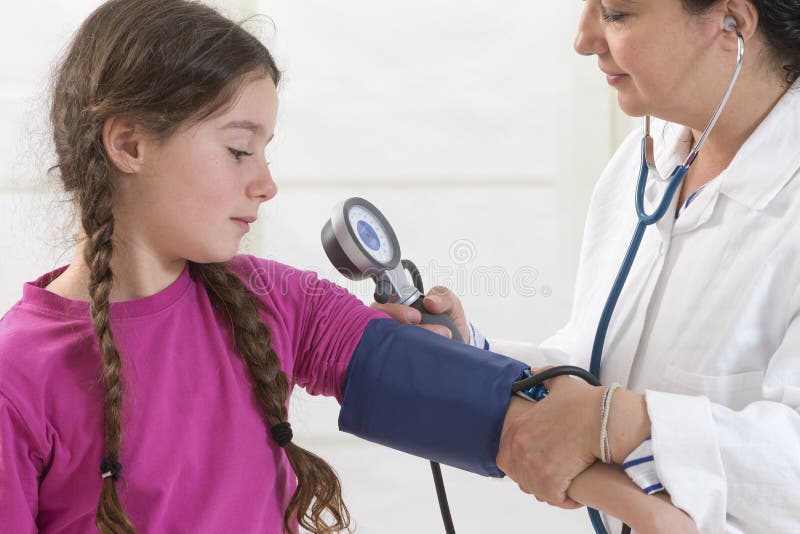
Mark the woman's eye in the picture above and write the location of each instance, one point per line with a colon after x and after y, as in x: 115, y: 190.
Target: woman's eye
x: 611, y: 16
x: 239, y: 154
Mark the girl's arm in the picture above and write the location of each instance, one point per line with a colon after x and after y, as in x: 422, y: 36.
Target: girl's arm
x: 607, y: 488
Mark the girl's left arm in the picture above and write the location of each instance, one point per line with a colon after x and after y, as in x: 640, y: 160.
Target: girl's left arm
x: 315, y: 325
x: 399, y: 385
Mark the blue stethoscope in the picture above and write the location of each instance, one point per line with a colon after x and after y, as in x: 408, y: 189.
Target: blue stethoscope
x: 674, y: 182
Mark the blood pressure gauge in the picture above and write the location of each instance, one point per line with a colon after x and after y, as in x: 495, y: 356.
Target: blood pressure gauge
x: 374, y: 235
x: 361, y: 244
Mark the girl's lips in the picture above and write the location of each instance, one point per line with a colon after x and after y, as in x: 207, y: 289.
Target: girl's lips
x: 242, y: 224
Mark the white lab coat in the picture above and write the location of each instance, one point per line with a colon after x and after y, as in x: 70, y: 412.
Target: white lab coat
x: 707, y: 326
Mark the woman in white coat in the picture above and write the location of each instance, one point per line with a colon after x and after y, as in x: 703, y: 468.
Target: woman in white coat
x: 705, y: 338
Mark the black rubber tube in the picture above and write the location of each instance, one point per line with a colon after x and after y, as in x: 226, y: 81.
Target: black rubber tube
x: 436, y: 470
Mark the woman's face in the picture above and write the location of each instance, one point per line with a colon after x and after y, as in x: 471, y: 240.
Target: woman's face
x: 194, y: 184
x: 661, y: 60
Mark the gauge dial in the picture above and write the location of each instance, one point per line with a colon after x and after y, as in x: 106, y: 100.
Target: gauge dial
x: 371, y: 234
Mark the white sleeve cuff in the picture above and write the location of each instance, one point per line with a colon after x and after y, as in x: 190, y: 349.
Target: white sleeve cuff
x: 687, y: 457
x: 640, y: 466
x: 476, y: 339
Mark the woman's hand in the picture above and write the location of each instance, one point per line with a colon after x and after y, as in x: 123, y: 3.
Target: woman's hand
x: 438, y: 300
x: 544, y: 446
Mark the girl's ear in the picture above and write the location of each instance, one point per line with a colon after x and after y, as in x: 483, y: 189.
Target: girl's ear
x: 124, y: 143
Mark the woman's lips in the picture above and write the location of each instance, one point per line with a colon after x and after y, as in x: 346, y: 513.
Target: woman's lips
x: 614, y: 78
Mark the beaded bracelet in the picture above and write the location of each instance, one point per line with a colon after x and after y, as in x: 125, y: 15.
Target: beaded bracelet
x: 605, y: 410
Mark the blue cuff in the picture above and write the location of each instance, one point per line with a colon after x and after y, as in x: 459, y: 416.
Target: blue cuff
x: 417, y: 392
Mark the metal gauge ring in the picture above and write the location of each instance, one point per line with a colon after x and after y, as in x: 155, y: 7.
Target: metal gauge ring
x: 359, y: 240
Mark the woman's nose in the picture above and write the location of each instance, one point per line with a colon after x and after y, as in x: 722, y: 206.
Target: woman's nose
x: 590, y: 38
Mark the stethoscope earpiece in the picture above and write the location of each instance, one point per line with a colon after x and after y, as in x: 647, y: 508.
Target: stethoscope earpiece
x: 730, y: 23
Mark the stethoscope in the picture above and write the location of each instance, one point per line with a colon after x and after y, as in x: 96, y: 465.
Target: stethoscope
x: 674, y: 182
x: 361, y: 244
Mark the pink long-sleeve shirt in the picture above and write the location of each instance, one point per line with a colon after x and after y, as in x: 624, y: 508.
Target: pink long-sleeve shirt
x: 196, y: 454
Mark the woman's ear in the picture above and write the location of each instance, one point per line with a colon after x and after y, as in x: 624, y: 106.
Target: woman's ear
x: 124, y: 144
x: 745, y: 15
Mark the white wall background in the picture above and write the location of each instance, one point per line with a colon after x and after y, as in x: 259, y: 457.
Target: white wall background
x: 471, y: 124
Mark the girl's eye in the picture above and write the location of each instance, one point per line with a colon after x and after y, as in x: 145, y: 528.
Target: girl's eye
x: 239, y: 154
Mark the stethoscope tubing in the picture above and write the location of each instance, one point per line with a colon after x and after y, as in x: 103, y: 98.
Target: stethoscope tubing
x: 644, y: 220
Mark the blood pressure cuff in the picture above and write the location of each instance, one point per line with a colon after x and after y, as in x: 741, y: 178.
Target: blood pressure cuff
x: 417, y: 392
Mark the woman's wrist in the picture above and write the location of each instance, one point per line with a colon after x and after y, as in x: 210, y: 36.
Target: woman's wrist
x: 628, y: 424
x: 593, y: 410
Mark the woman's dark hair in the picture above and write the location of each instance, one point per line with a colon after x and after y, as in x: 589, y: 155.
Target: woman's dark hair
x: 779, y: 23
x: 167, y: 64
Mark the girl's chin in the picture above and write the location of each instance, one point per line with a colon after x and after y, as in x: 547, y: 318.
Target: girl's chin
x: 214, y: 256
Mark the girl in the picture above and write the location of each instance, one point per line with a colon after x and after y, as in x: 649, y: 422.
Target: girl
x: 137, y: 383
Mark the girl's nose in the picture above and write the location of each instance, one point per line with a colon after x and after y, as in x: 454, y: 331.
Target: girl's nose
x: 263, y: 186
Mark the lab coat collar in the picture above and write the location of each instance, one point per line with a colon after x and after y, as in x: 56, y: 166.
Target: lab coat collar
x: 672, y: 144
x: 764, y: 164
x: 769, y: 158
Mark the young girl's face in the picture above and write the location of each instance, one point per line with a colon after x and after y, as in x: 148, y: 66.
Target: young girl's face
x: 195, y: 187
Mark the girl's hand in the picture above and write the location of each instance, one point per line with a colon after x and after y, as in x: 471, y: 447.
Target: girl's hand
x: 438, y: 300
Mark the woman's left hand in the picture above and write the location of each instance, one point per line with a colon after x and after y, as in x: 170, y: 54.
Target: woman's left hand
x: 544, y: 446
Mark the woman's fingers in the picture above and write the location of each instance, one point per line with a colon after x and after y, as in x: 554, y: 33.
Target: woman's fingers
x: 439, y: 300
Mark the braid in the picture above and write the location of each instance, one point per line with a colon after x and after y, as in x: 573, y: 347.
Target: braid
x: 97, y: 220
x: 318, y: 488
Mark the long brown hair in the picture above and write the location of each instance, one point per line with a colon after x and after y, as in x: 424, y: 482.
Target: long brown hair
x: 167, y: 63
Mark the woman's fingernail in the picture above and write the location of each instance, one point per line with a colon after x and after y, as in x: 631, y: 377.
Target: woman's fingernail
x: 413, y: 316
